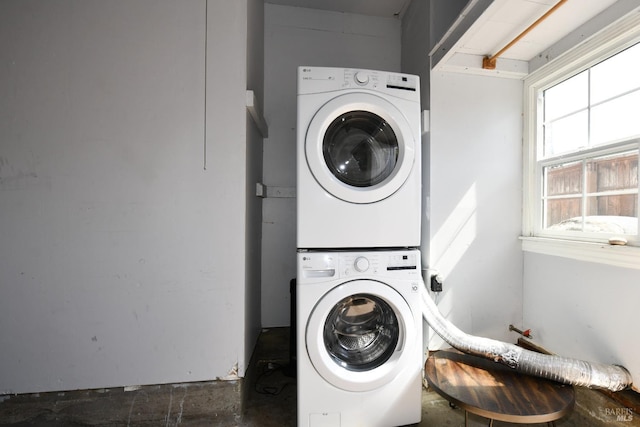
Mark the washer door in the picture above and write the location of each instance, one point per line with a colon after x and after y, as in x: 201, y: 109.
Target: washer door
x: 359, y: 335
x: 360, y: 148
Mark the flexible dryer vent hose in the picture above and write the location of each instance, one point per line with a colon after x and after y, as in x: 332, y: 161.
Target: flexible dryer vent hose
x: 561, y: 369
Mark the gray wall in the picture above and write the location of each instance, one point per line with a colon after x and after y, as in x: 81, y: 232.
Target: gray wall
x: 294, y: 37
x: 416, y: 46
x: 253, y: 170
x: 444, y: 13
x: 123, y: 259
x: 416, y: 41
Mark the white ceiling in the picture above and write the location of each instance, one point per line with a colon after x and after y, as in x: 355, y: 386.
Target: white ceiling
x: 504, y: 20
x: 498, y: 22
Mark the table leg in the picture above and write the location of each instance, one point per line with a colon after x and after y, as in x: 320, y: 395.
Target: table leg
x: 466, y: 418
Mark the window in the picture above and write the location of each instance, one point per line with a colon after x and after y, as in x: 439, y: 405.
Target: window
x: 582, y: 140
x: 589, y: 153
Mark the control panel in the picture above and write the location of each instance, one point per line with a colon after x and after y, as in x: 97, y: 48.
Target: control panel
x: 378, y: 79
x: 349, y: 264
x: 324, y: 79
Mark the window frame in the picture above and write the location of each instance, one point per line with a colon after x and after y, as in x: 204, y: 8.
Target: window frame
x: 606, y: 43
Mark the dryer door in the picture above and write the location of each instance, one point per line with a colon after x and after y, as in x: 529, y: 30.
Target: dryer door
x: 360, y: 148
x: 360, y: 334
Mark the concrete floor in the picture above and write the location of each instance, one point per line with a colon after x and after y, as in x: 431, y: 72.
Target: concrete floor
x: 269, y: 393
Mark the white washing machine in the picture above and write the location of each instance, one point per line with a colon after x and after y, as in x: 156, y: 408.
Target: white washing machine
x: 359, y: 338
x: 358, y: 159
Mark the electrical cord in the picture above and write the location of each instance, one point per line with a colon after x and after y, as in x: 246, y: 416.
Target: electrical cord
x: 268, y: 370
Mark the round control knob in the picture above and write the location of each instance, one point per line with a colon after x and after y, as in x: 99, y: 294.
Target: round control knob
x: 361, y: 264
x: 362, y: 78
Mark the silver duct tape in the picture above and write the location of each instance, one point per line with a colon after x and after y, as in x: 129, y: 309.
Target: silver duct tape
x: 557, y: 368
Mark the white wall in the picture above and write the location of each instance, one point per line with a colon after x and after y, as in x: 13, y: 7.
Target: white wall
x: 475, y: 199
x: 294, y: 37
x: 583, y: 310
x: 471, y: 183
x: 122, y: 259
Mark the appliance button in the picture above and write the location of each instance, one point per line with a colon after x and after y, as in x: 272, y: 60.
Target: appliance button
x: 361, y: 264
x: 362, y: 78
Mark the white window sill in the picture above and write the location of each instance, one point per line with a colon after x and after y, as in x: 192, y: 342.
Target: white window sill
x: 619, y: 256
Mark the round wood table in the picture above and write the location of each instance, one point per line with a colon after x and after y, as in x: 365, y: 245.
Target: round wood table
x: 495, y: 391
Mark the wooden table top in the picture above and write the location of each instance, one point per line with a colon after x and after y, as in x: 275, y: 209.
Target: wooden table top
x: 495, y: 391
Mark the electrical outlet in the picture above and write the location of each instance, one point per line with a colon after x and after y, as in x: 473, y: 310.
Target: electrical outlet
x: 436, y: 283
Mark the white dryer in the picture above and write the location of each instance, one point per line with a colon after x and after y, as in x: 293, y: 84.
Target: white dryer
x: 359, y: 334
x: 358, y: 159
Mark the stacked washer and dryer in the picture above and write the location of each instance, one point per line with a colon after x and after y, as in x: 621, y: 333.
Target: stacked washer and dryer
x: 359, y: 322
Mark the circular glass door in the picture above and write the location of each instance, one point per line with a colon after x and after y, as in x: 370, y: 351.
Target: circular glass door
x: 361, y: 332
x: 360, y: 335
x: 360, y: 148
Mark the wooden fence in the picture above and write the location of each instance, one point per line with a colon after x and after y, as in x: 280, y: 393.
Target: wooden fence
x: 604, y: 175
